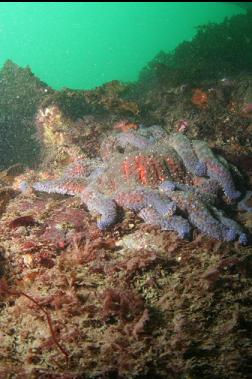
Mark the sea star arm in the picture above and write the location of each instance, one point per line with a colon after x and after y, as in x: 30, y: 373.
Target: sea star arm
x: 122, y: 142
x: 142, y: 198
x: 216, y: 170
x: 106, y: 207
x: 199, y: 215
x: 63, y: 186
x: 232, y: 224
x: 182, y: 145
x: 176, y: 223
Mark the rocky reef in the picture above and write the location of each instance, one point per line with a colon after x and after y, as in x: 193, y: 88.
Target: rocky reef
x: 21, y: 93
x: 217, y: 51
x: 125, y: 226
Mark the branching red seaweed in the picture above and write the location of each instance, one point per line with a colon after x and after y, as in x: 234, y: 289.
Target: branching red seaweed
x: 5, y: 290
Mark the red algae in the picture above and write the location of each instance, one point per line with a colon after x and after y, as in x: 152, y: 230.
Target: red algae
x: 121, y: 303
x: 22, y: 221
x: 5, y: 290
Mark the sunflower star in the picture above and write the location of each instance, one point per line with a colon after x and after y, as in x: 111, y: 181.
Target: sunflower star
x: 170, y: 181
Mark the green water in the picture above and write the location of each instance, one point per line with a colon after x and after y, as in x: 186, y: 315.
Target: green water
x: 83, y: 45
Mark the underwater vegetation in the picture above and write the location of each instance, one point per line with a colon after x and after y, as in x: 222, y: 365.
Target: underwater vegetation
x: 125, y: 222
x: 217, y: 51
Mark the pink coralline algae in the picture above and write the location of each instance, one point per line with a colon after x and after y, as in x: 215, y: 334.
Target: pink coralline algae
x: 155, y: 175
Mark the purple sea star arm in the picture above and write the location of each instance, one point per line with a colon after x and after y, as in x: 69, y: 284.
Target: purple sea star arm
x: 228, y: 228
x: 133, y: 139
x: 202, y: 219
x: 51, y: 186
x: 178, y: 224
x: 106, y: 207
x: 168, y: 186
x: 142, y: 198
x: 164, y: 207
x: 216, y: 170
x: 232, y: 225
x: 153, y: 133
x: 184, y: 149
x: 175, y: 223
x: 206, y: 197
x: 199, y: 216
x: 63, y: 186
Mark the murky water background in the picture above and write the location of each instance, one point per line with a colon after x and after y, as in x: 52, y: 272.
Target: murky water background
x: 82, y: 45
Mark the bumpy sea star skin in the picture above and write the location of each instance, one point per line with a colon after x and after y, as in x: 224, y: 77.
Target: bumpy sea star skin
x: 246, y: 203
x: 199, y: 215
x: 63, y: 186
x: 208, y: 197
x: 154, y: 175
x: 106, y: 207
x: 216, y: 170
x: 133, y: 139
x: 154, y: 133
x: 142, y: 198
x: 183, y: 147
x: 232, y: 225
x: 175, y: 223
